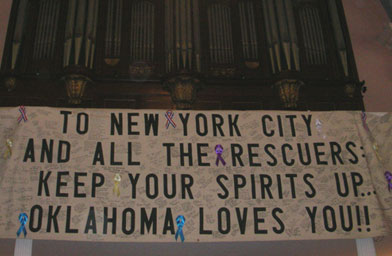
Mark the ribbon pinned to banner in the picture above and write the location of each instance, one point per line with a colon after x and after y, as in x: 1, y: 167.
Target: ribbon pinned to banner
x: 363, y: 117
x: 219, y: 152
x: 375, y: 147
x: 23, y: 220
x: 319, y: 126
x: 23, y: 115
x: 180, y: 224
x: 116, y: 188
x: 8, y: 151
x: 169, y: 119
x: 388, y: 177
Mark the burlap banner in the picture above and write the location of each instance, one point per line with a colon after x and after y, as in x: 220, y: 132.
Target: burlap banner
x: 153, y: 175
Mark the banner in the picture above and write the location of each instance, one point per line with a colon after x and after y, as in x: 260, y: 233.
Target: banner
x: 194, y: 176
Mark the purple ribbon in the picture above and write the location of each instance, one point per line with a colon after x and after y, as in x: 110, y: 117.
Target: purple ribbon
x: 388, y: 177
x: 363, y: 117
x: 219, y: 151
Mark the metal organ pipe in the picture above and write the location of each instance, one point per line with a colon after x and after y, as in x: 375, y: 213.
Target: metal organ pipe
x: 182, y: 40
x: 281, y: 34
x: 69, y: 31
x: 252, y: 26
x: 292, y: 33
x: 313, y: 37
x: 269, y: 35
x: 81, y: 30
x: 339, y: 38
x: 19, y: 27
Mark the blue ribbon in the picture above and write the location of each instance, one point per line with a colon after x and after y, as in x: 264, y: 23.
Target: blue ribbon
x: 23, y: 220
x: 180, y: 224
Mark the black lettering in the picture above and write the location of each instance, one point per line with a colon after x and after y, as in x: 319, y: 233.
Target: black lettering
x: 184, y: 154
x: 68, y: 228
x: 169, y: 223
x: 186, y: 186
x: 168, y: 152
x: 166, y: 186
x: 205, y: 127
x: 47, y: 150
x: 236, y: 156
x: 312, y: 215
x: 148, y: 222
x: 242, y: 219
x: 292, y: 124
x: 284, y: 155
x: 318, y: 153
x: 233, y: 126
x: 239, y: 182
x: 52, y: 217
x: 112, y: 220
x: 98, y: 155
x: 36, y: 209
x: 78, y: 123
x: 357, y: 181
x: 133, y: 181
x: 269, y: 153
x: 310, y: 185
x: 65, y: 123
x: 67, y: 145
x: 154, y: 178
x: 184, y: 121
x: 29, y: 154
x: 116, y: 123
x: 97, y: 181
x: 78, y: 184
x: 60, y: 184
x: 336, y: 151
x: 91, y: 223
x: 201, y: 223
x: 201, y: 154
x: 220, y: 217
x: 349, y: 146
x: 217, y: 123
x: 112, y: 153
x: 124, y: 222
x: 130, y: 124
x: 280, y: 222
x: 252, y: 155
x: 151, y: 120
x: 264, y: 125
x: 258, y: 220
x: 332, y: 227
x: 43, y: 182
x: 225, y: 190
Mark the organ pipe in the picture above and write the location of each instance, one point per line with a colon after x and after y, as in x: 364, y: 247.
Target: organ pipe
x: 248, y: 30
x: 46, y: 30
x: 80, y: 32
x: 281, y: 35
x: 142, y: 31
x: 220, y: 33
x: 339, y: 38
x: 19, y: 27
x: 315, y: 50
x: 182, y: 43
